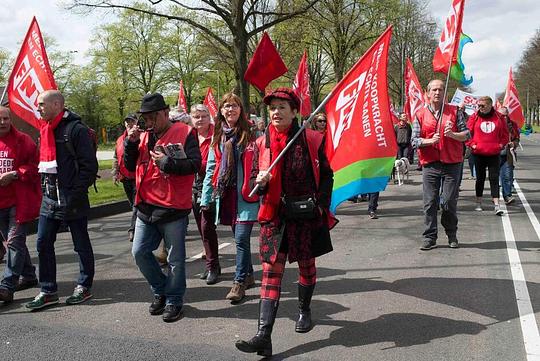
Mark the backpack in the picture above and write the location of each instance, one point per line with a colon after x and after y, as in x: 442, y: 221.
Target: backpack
x: 68, y: 136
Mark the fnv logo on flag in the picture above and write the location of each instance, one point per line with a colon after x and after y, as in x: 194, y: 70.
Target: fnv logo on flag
x: 361, y: 144
x: 445, y: 54
x: 210, y: 103
x: 511, y: 101
x: 31, y: 75
x: 414, y: 96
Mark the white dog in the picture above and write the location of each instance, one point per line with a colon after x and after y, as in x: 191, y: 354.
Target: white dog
x: 401, y: 170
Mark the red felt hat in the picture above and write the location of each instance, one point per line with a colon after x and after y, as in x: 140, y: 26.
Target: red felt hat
x: 285, y: 94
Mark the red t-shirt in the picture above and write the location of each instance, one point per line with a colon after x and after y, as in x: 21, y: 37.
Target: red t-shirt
x: 7, y: 164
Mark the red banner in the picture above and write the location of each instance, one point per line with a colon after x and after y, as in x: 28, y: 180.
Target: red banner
x: 358, y: 113
x: 31, y: 76
x: 511, y: 101
x: 446, y: 52
x: 266, y: 64
x: 210, y: 103
x: 414, y: 96
x: 182, y: 104
x: 301, y: 86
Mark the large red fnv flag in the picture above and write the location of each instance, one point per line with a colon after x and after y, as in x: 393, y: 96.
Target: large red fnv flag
x: 31, y: 76
x: 414, y: 96
x: 265, y: 65
x: 301, y: 86
x: 182, y: 104
x: 360, y: 140
x: 210, y: 102
x: 446, y: 52
x: 511, y: 101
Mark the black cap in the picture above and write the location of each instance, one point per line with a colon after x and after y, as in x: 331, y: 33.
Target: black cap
x: 153, y: 103
x: 131, y: 116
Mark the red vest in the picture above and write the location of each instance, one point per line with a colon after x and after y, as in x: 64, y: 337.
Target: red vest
x: 448, y: 150
x: 120, y: 158
x: 157, y: 188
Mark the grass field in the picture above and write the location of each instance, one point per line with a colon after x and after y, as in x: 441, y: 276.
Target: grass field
x: 107, y: 192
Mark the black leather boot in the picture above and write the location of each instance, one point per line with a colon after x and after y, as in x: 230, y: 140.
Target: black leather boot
x: 304, y: 323
x: 261, y: 343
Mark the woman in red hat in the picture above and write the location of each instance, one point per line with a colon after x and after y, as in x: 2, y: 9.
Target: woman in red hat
x: 294, y: 216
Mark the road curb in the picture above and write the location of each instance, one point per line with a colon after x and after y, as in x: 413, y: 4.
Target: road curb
x: 102, y: 210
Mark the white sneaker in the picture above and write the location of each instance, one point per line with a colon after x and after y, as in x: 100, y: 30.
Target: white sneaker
x: 498, y: 210
x: 478, y: 207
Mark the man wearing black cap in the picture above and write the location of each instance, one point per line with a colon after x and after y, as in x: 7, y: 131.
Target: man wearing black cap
x: 165, y: 159
x: 122, y: 175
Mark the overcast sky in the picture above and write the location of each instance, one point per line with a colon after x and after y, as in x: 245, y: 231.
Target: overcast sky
x: 500, y: 30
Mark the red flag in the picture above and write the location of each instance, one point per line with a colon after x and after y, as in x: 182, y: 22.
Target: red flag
x: 394, y: 114
x: 414, y: 96
x: 266, y: 64
x: 210, y: 103
x: 182, y: 104
x: 31, y: 76
x: 360, y: 140
x: 498, y: 105
x: 446, y: 52
x: 511, y: 101
x: 301, y: 86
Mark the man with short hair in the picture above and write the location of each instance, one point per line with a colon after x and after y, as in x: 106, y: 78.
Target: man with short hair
x: 65, y: 178
x: 438, y: 138
x: 165, y: 159
x: 20, y: 196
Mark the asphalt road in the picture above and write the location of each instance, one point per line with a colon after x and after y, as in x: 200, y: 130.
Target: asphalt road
x: 378, y: 297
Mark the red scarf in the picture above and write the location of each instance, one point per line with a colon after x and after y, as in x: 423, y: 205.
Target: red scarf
x: 47, y: 146
x: 278, y: 141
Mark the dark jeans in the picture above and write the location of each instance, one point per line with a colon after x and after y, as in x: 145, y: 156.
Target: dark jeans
x: 18, y: 258
x: 492, y: 163
x: 47, y: 230
x: 206, y: 223
x: 129, y: 188
x: 373, y: 201
x: 433, y: 176
x: 403, y: 151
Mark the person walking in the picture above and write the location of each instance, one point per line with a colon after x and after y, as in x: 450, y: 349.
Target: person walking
x: 230, y: 160
x: 403, y: 132
x: 438, y: 139
x: 294, y: 216
x: 508, y: 157
x: 165, y: 159
x: 20, y: 200
x: 489, y: 135
x: 68, y: 166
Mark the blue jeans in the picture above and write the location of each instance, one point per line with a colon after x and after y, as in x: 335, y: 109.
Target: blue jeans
x: 46, y: 237
x: 507, y: 177
x: 146, y: 240
x: 18, y: 258
x: 244, y: 267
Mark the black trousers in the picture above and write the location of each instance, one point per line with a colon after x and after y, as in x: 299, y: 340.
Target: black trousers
x: 492, y: 164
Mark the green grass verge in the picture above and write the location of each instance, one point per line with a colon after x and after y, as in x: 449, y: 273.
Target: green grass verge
x: 105, y: 164
x: 536, y: 128
x: 107, y: 192
x: 107, y: 146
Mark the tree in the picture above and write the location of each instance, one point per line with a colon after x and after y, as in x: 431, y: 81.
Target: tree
x: 243, y: 19
x: 527, y: 77
x: 5, y: 64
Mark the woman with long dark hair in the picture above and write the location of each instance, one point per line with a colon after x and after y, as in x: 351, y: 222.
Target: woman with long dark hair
x: 226, y: 185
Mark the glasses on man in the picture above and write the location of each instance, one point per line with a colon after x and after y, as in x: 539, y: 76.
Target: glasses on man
x: 231, y: 106
x: 321, y: 120
x: 482, y: 105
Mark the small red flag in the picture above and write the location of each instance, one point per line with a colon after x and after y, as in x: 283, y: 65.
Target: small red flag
x: 182, y: 104
x: 414, y: 97
x: 31, y: 76
x: 498, y: 105
x: 210, y: 102
x: 265, y: 65
x: 511, y: 101
x: 301, y: 86
x: 446, y: 52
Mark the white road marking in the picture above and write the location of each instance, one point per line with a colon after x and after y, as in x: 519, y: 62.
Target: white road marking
x: 199, y: 255
x: 529, y: 327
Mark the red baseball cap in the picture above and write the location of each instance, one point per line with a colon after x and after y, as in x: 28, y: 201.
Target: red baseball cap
x: 285, y: 94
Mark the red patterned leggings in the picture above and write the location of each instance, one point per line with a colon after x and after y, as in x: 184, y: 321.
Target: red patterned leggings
x: 273, y: 274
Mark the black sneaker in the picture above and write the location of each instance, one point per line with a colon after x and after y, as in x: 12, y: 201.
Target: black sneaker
x: 204, y: 275
x: 172, y: 313
x: 428, y: 244
x: 157, y: 306
x: 25, y: 283
x: 453, y: 243
x: 373, y: 215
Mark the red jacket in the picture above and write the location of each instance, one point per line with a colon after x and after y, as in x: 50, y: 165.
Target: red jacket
x: 448, y: 150
x: 28, y: 184
x: 155, y: 188
x: 122, y: 170
x: 489, y: 134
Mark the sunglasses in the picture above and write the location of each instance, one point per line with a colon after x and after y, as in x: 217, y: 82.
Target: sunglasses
x: 321, y: 120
